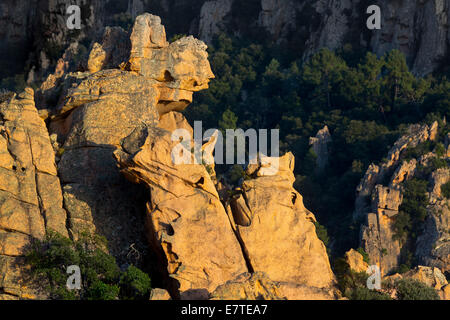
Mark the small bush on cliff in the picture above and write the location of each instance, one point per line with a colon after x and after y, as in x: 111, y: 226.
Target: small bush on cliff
x: 322, y: 233
x: 364, y: 254
x: 353, y: 285
x: 134, y: 284
x: 409, y: 289
x: 101, y: 278
x: 445, y: 190
x: 362, y: 293
x: 413, y: 209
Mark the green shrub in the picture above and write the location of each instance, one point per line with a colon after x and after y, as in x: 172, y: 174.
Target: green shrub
x: 440, y: 149
x: 362, y: 293
x: 419, y: 150
x: 403, y: 268
x: 445, y: 190
x: 5, y: 95
x: 409, y: 289
x: 101, y: 277
x: 353, y: 285
x: 134, y: 284
x: 322, y: 233
x: 413, y: 210
x: 401, y: 226
x: 236, y: 174
x: 364, y: 254
x: 99, y: 290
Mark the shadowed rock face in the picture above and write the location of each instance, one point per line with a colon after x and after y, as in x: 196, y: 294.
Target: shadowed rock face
x: 417, y: 28
x: 320, y: 146
x: 433, y: 247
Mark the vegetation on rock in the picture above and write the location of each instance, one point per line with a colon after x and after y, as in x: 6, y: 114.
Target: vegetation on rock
x: 102, y: 278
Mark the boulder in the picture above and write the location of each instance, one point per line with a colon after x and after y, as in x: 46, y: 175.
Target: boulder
x: 159, y: 294
x: 356, y: 261
x: 255, y: 286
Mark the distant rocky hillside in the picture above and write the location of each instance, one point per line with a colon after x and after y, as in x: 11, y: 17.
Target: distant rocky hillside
x: 90, y: 152
x: 33, y: 33
x: 404, y: 203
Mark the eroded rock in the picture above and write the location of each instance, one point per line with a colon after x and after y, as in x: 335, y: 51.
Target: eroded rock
x: 278, y: 232
x: 186, y: 221
x: 30, y: 192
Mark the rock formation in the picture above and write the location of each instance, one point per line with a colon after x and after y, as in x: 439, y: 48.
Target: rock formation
x: 380, y: 194
x: 186, y: 221
x: 102, y: 107
x: 291, y: 253
x: 433, y: 248
x: 429, y: 276
x: 31, y: 201
x: 256, y: 286
x: 356, y: 261
x: 320, y: 146
x: 211, y: 243
x: 109, y: 134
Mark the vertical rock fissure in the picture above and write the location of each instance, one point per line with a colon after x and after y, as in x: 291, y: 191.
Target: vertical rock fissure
x: 39, y: 198
x: 233, y: 226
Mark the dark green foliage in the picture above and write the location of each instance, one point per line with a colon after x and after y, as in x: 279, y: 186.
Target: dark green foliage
x: 353, y: 285
x: 322, y: 233
x: 364, y: 254
x: 415, y: 200
x: 366, y: 101
x: 413, y: 211
x: 408, y: 289
x: 445, y: 190
x: 408, y: 222
x: 14, y: 83
x: 363, y: 293
x: 135, y: 284
x: 101, y: 277
x: 98, y: 290
x: 5, y: 95
x: 402, y: 225
x: 236, y: 174
x: 403, y: 268
x: 419, y: 150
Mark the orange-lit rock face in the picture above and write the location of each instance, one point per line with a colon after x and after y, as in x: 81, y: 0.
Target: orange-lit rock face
x: 180, y: 68
x: 31, y: 202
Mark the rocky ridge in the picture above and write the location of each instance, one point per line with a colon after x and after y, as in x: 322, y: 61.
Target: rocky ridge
x: 380, y: 195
